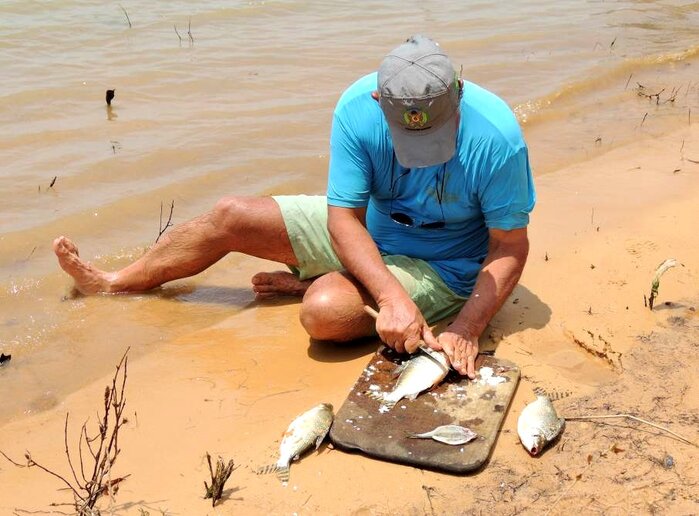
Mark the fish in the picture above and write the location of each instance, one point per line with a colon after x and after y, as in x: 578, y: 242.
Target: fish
x: 309, y: 428
x: 538, y: 425
x: 419, y: 373
x: 448, y: 434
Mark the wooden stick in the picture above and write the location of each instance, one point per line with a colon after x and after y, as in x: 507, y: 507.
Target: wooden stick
x: 371, y: 311
x: 629, y: 416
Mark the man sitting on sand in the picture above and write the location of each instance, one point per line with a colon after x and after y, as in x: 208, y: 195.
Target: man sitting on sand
x: 426, y: 215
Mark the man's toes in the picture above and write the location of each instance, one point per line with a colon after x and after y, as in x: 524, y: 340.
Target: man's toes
x: 64, y: 246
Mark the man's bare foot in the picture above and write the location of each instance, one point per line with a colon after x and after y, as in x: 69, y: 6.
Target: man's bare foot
x: 279, y: 283
x: 88, y: 280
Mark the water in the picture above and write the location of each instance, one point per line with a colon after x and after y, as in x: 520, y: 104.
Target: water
x: 217, y: 98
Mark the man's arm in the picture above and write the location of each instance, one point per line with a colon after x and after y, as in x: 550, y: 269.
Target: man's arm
x: 400, y: 323
x: 502, y: 268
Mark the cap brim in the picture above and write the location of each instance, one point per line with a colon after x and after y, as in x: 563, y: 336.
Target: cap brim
x: 415, y: 149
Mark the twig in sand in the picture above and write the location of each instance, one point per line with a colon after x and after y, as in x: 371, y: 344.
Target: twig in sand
x: 628, y: 81
x: 126, y: 14
x: 659, y: 271
x: 103, y: 448
x: 178, y: 34
x: 169, y: 220
x: 629, y: 416
x: 189, y: 32
x: 218, y: 480
x: 644, y: 119
x: 428, y: 491
x: 53, y: 181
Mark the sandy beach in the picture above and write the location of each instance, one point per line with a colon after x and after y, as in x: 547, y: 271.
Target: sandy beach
x: 216, y: 98
x: 577, y: 322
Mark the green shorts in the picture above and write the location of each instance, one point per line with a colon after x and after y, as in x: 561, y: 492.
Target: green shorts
x: 306, y: 220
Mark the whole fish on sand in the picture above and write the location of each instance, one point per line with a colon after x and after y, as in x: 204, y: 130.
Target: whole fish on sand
x: 538, y: 425
x: 419, y: 373
x: 309, y: 428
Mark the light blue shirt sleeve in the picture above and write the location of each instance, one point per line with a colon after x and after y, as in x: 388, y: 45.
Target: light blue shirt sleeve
x: 350, y: 168
x: 508, y: 196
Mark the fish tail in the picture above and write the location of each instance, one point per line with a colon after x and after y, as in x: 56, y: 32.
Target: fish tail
x: 389, y: 403
x: 377, y: 395
x: 283, y: 473
x: 269, y: 468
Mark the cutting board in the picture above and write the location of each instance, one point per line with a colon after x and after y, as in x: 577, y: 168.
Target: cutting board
x: 479, y: 404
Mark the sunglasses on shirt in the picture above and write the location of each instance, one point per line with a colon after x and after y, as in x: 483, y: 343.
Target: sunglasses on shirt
x: 406, y: 220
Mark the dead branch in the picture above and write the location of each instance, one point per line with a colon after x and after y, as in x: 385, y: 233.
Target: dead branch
x: 650, y: 96
x: 218, y: 480
x: 86, y: 492
x: 629, y: 416
x: 169, y: 220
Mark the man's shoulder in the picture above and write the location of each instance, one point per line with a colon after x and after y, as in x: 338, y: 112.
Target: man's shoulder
x: 488, y: 116
x: 358, y: 92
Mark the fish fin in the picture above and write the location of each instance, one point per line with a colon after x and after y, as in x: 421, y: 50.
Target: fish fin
x: 283, y: 473
x: 321, y: 438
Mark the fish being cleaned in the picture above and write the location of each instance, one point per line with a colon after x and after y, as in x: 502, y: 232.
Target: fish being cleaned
x: 448, y: 434
x: 309, y: 428
x: 419, y: 373
x: 538, y: 425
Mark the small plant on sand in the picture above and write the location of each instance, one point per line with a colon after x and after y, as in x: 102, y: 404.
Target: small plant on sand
x: 218, y: 479
x: 91, y: 470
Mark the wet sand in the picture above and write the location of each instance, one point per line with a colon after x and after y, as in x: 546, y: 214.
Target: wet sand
x: 577, y: 323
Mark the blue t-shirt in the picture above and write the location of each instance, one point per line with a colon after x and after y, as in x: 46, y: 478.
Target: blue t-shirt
x: 486, y: 184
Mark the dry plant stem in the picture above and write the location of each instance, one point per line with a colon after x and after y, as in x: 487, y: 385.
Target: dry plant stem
x: 629, y: 416
x: 87, y: 491
x: 218, y: 480
x: 169, y: 219
x: 127, y: 16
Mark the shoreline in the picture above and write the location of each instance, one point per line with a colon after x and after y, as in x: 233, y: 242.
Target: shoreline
x: 599, y: 230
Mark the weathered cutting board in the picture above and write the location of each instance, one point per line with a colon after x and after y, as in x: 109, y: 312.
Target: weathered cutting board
x: 480, y: 405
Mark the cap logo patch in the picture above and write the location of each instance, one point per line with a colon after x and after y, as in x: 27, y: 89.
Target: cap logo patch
x: 415, y: 119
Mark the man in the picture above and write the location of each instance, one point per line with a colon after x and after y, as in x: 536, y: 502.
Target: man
x: 427, y: 205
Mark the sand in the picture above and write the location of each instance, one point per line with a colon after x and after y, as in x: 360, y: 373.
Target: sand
x: 577, y: 323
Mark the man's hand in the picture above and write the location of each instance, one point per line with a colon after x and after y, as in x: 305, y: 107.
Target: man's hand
x: 462, y: 351
x: 402, y: 327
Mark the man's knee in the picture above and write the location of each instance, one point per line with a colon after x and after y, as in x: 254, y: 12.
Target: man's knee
x: 328, y: 312
x: 317, y: 317
x: 226, y: 214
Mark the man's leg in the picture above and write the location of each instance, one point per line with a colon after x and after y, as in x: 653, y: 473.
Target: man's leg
x: 333, y: 309
x: 248, y: 225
